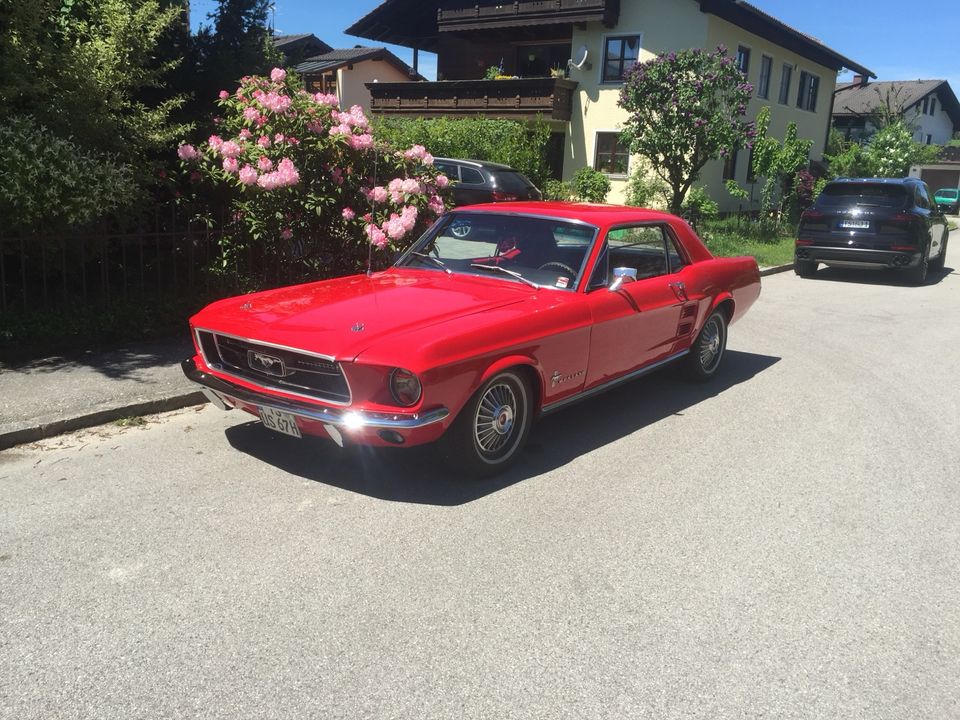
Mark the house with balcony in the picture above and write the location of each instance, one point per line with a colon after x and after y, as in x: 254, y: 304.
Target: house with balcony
x: 344, y: 72
x: 928, y: 107
x: 567, y: 59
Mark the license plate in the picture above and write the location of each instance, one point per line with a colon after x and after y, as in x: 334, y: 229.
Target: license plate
x: 855, y: 224
x: 280, y: 421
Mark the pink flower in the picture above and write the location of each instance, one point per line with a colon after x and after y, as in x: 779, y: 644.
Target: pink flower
x: 275, y: 102
x: 377, y: 237
x: 442, y: 181
x: 265, y: 164
x: 435, y: 205
x: 248, y: 176
x: 230, y: 149
x: 394, y: 227
x: 360, y: 142
x: 415, y: 153
x: 379, y: 194
x: 224, y: 94
x: 230, y: 164
x: 261, y: 121
x: 410, y: 186
x: 214, y: 141
x: 348, y: 214
x: 187, y: 152
x: 250, y: 113
x: 286, y: 233
x: 245, y: 134
x: 278, y: 75
x: 278, y: 138
x: 264, y: 142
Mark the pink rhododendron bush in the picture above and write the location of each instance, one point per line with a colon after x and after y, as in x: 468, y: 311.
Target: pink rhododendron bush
x: 309, y: 188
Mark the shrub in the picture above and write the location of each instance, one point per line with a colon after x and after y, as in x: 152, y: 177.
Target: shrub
x: 308, y: 185
x: 48, y: 181
x: 557, y: 190
x: 590, y: 185
x: 520, y: 145
x: 645, y: 189
x: 698, y: 206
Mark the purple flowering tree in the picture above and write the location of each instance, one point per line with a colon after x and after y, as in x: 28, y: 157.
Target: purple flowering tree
x: 685, y: 109
x: 309, y: 189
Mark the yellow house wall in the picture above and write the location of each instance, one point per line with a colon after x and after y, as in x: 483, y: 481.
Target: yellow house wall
x: 675, y: 26
x: 350, y: 81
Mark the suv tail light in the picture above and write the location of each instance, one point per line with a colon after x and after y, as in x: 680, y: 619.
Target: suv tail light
x: 504, y: 197
x: 811, y: 214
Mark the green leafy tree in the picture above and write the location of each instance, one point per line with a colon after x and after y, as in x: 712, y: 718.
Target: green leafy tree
x: 685, y: 109
x: 80, y: 69
x: 590, y: 185
x: 892, y: 150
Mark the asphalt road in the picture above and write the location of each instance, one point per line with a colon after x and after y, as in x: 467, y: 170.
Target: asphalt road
x: 782, y: 543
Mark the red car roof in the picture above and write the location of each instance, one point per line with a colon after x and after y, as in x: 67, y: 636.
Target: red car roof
x: 594, y: 213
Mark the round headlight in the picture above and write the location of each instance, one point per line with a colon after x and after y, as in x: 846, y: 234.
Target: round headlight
x: 404, y: 386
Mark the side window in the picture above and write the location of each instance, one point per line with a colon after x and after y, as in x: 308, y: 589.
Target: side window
x: 449, y: 169
x: 601, y: 271
x: 469, y: 176
x: 619, y: 55
x: 642, y: 248
x: 677, y: 261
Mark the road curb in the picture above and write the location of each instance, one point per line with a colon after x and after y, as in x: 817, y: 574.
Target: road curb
x: 776, y: 269
x: 58, y: 427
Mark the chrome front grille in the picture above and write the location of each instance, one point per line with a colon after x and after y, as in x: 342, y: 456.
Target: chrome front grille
x: 280, y: 368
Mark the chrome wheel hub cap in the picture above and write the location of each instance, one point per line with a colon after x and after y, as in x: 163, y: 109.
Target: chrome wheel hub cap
x: 496, y: 416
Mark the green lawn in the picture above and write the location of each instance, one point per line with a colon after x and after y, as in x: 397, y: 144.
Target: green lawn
x: 767, y: 253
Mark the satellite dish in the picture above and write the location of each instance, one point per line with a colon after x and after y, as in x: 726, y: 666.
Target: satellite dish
x: 579, y: 59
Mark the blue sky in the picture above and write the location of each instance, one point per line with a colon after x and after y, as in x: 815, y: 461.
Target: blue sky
x: 896, y: 40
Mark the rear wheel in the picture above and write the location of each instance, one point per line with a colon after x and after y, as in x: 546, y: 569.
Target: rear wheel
x: 938, y: 263
x: 492, y: 428
x: 918, y: 274
x: 707, y: 350
x: 804, y: 268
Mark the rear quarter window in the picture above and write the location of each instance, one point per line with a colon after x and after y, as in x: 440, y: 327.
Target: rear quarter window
x: 511, y: 181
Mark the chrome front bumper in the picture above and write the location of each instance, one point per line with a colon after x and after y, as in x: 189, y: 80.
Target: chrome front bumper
x: 223, y: 394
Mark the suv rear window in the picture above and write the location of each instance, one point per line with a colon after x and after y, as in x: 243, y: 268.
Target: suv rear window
x: 948, y: 194
x: 863, y: 194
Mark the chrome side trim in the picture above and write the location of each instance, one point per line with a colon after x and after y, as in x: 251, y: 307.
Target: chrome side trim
x: 610, y: 384
x: 348, y: 419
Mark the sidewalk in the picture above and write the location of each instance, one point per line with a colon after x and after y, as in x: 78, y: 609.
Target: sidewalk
x: 54, y: 395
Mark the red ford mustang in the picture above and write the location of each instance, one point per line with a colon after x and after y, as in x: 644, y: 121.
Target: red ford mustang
x: 497, y: 315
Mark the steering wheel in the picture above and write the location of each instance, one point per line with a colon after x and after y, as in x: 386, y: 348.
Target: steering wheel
x: 558, y: 266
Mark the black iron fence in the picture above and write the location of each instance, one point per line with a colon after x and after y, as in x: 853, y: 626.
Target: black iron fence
x: 162, y: 253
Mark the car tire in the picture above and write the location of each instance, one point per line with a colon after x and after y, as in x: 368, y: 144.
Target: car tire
x: 918, y: 274
x: 492, y: 427
x: 937, y: 264
x: 805, y: 268
x: 708, y: 349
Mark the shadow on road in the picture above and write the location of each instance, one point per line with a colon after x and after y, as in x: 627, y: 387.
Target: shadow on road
x: 123, y: 363
x: 415, y: 475
x: 883, y: 276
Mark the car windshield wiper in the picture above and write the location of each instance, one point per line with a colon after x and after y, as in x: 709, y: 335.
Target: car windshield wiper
x: 437, y: 261
x: 505, y: 271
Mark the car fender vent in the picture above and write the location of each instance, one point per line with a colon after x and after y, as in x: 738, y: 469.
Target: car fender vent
x: 684, y: 328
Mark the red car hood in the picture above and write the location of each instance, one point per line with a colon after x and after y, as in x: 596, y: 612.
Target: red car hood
x: 342, y: 317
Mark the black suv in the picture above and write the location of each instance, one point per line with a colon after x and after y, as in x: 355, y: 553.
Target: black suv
x: 873, y: 223
x: 478, y: 181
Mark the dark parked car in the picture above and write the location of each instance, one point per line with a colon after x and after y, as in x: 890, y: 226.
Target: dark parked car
x: 948, y: 200
x: 478, y: 181
x: 873, y: 223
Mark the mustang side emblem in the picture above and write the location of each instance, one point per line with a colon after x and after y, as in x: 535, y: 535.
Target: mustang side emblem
x: 358, y: 327
x: 557, y: 378
x: 269, y: 364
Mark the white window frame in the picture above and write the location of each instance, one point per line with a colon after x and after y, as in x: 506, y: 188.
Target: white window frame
x: 603, y: 54
x: 596, y: 145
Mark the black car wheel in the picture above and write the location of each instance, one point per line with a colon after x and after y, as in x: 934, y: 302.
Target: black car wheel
x: 918, y: 274
x: 938, y: 263
x: 492, y: 428
x: 805, y: 268
x: 707, y: 350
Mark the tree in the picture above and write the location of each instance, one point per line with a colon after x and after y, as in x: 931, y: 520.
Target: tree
x: 685, y: 109
x: 892, y: 150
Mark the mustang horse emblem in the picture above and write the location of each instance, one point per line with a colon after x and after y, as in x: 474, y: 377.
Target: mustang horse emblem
x: 266, y: 363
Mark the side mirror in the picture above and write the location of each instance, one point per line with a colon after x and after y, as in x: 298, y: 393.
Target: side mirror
x: 622, y: 275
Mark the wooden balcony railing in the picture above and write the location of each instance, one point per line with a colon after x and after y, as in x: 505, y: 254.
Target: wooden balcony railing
x: 551, y: 98
x: 496, y: 14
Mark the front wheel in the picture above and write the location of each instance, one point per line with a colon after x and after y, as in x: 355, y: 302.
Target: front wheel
x: 492, y: 428
x: 707, y: 350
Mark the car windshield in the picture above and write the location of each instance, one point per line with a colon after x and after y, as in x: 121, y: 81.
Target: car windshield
x: 547, y: 252
x: 947, y: 194
x: 878, y: 195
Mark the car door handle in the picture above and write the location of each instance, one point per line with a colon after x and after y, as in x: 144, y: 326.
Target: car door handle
x: 680, y: 290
